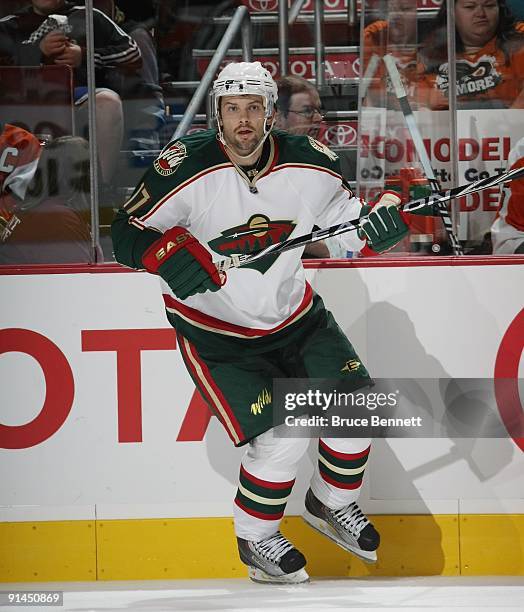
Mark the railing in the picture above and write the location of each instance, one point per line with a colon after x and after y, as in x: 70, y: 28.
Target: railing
x: 283, y: 33
x: 352, y: 13
x: 240, y: 21
x: 318, y: 20
x: 91, y: 109
x: 319, y: 43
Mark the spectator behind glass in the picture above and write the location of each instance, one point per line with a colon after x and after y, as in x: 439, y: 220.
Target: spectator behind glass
x: 19, y: 153
x: 54, y: 225
x: 490, y: 58
x: 23, y: 44
x: 138, y: 19
x: 507, y: 232
x: 299, y: 110
x: 398, y: 36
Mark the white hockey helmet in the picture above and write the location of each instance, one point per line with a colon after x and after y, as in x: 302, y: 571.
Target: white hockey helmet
x: 245, y: 78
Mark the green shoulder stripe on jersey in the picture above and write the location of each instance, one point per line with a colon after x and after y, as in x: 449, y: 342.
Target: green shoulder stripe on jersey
x: 179, y: 164
x: 305, y: 150
x: 130, y: 242
x: 179, y: 161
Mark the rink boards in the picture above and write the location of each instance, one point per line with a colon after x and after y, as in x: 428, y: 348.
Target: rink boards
x: 112, y: 469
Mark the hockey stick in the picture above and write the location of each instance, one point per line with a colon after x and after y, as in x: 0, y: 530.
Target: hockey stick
x: 405, y: 107
x: 237, y: 261
x: 369, y: 75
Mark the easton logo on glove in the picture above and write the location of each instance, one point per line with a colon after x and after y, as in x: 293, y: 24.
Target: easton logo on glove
x: 165, y: 250
x: 185, y: 265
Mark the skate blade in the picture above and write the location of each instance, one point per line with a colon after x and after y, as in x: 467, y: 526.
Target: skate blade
x: 258, y: 575
x: 368, y: 556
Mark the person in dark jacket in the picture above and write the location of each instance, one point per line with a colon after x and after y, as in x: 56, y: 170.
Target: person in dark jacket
x: 53, y: 32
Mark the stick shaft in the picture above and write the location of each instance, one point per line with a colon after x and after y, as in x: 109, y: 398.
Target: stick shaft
x: 436, y: 200
x: 423, y: 156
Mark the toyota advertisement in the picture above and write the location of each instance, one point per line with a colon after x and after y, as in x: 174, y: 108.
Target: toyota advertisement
x: 98, y: 409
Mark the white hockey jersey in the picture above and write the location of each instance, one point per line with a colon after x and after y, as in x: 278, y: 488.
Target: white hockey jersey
x: 195, y: 185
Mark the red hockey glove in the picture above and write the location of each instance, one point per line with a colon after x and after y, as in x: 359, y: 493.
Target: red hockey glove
x: 382, y: 224
x: 183, y: 263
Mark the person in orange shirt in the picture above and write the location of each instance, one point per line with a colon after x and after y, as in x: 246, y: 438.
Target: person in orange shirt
x: 19, y: 153
x: 54, y: 216
x: 490, y: 58
x: 507, y: 232
x: 396, y: 36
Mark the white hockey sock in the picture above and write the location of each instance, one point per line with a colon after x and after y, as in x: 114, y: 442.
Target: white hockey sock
x: 267, y: 475
x: 337, y: 479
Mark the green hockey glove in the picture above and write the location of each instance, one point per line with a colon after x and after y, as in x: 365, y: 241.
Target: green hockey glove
x: 382, y: 224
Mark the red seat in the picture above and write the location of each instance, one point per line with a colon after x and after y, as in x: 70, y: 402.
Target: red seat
x: 38, y: 98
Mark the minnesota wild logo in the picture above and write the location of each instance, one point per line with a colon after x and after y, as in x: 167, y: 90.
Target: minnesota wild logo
x: 259, y: 232
x: 263, y: 399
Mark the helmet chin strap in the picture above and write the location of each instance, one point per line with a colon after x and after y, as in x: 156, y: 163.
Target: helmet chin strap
x: 267, y: 130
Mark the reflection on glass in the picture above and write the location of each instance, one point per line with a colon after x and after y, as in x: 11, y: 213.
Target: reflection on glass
x: 390, y: 136
x: 490, y: 75
x: 490, y: 57
x: 153, y: 51
x: 43, y: 59
x: 53, y: 216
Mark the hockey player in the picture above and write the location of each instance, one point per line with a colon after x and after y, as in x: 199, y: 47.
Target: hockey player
x: 233, y: 190
x: 507, y: 232
x: 19, y: 153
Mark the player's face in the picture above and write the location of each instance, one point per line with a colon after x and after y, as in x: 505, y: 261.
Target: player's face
x: 242, y: 122
x: 46, y: 7
x: 476, y: 21
x: 304, y: 116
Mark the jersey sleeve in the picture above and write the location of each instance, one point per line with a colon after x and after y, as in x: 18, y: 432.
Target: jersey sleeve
x: 115, y: 48
x: 157, y: 204
x: 343, y: 206
x: 323, y: 189
x: 336, y: 201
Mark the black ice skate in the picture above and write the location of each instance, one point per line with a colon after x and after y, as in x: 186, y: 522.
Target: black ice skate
x: 273, y: 559
x: 348, y: 527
